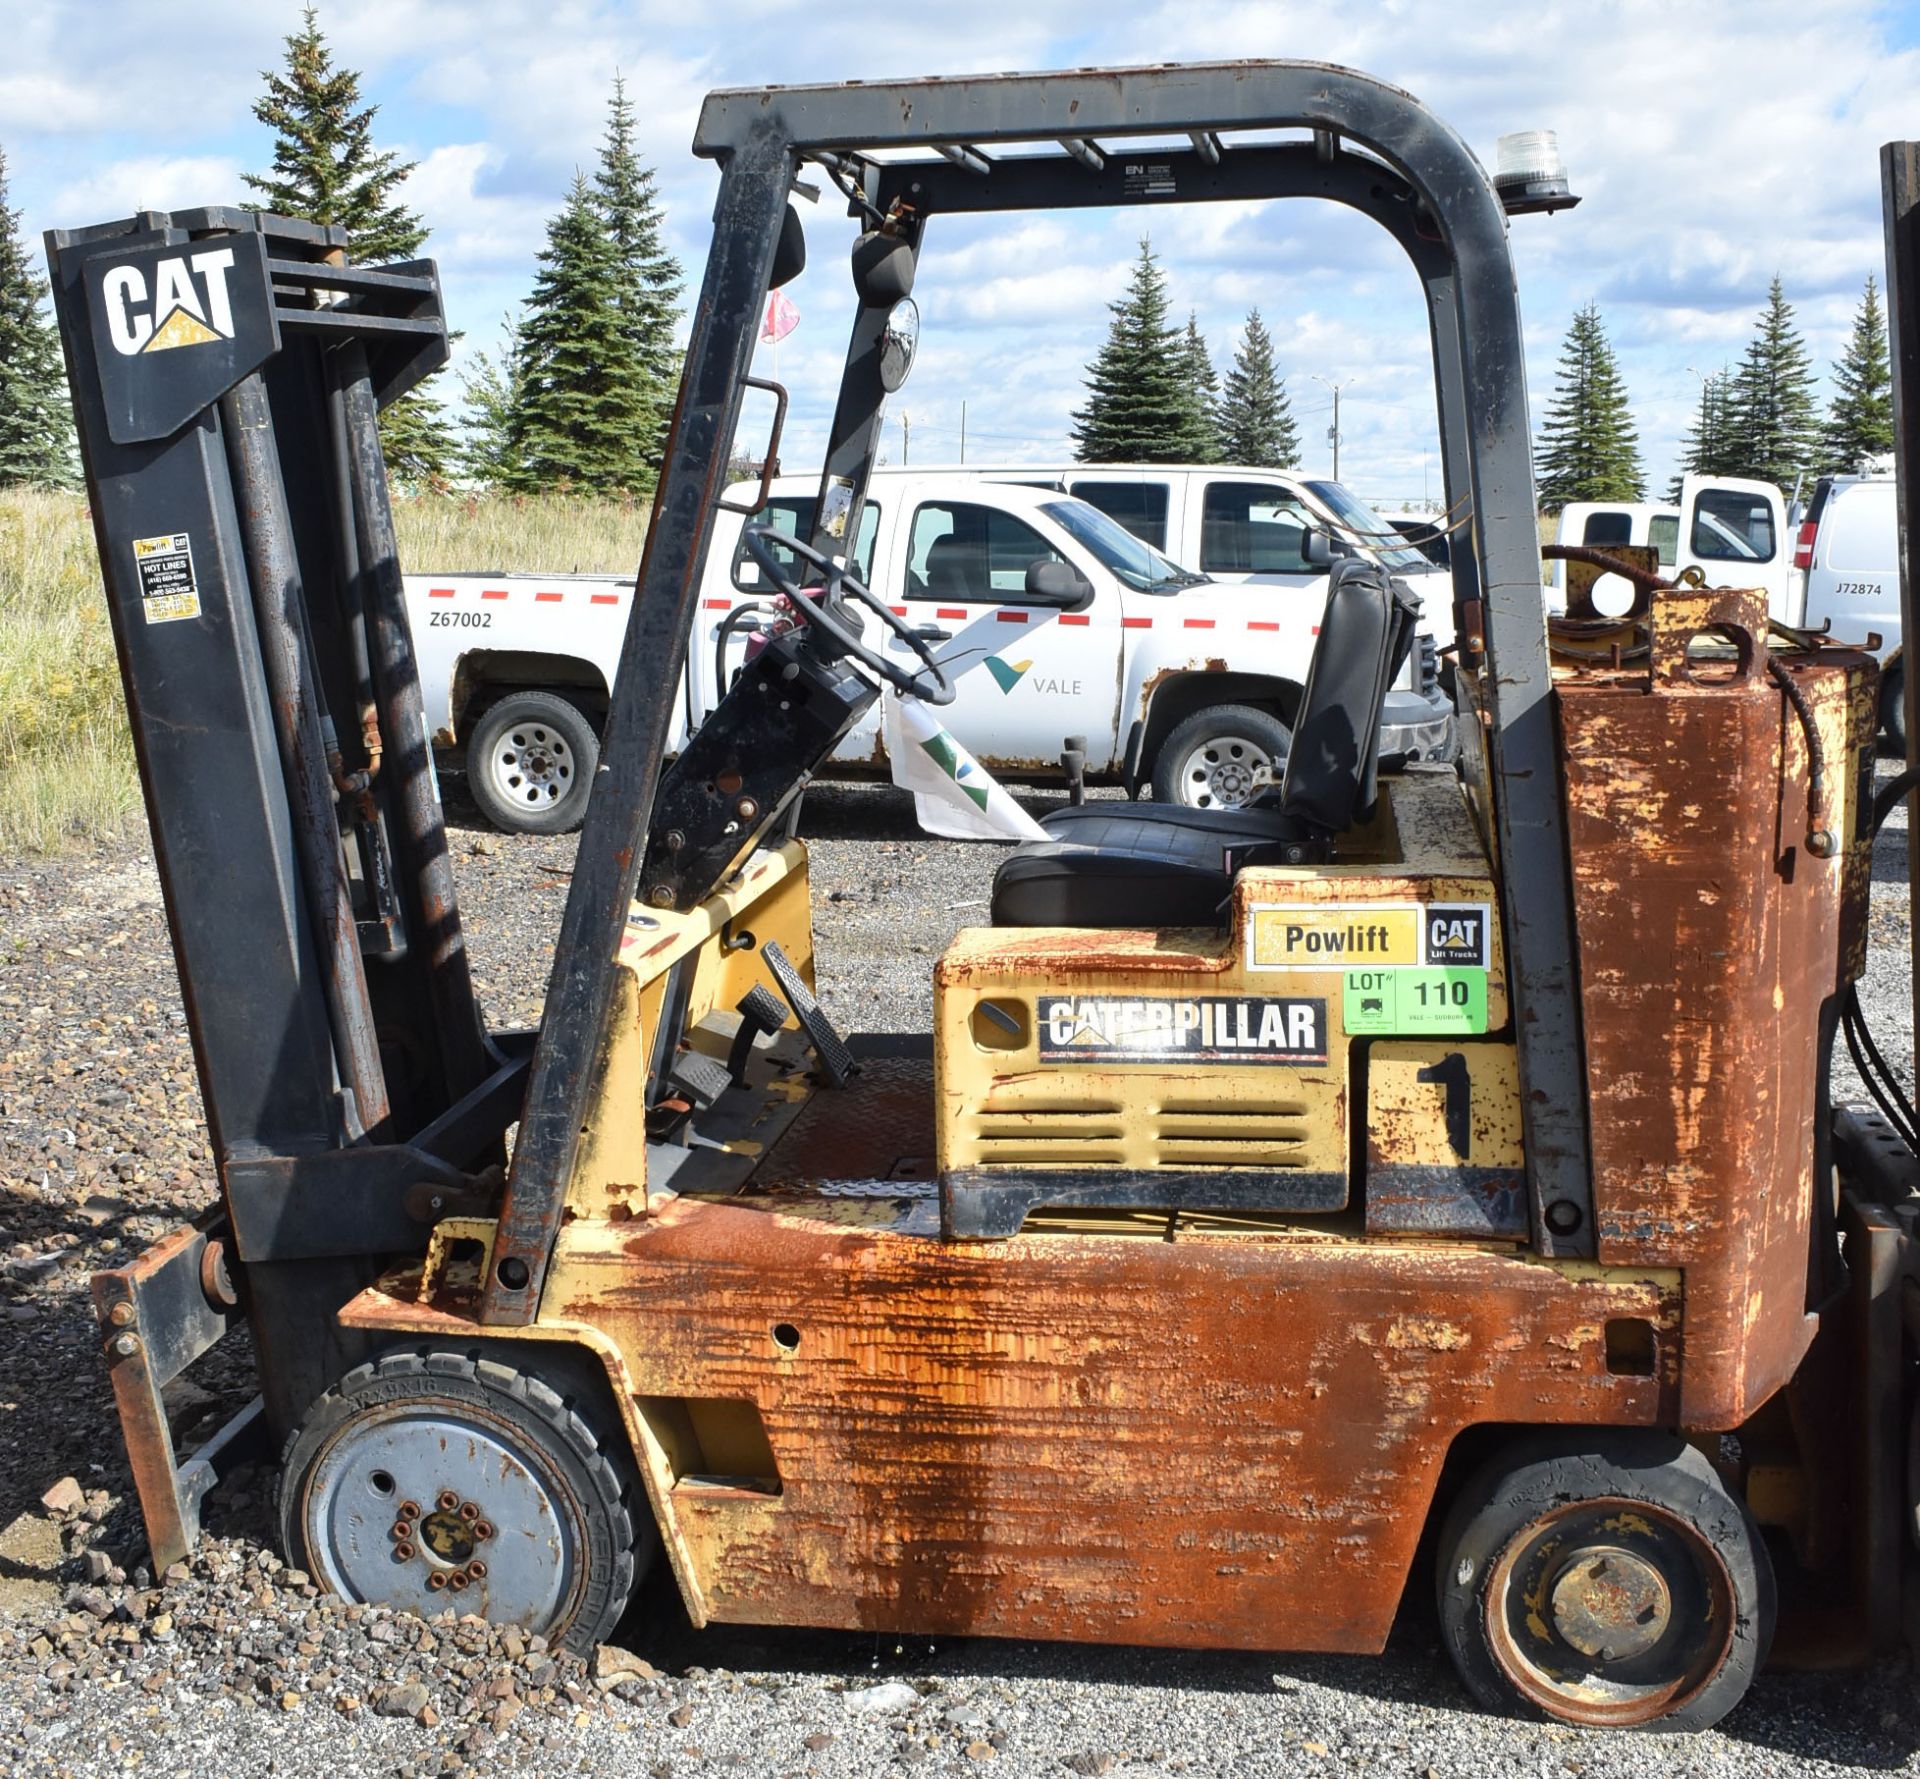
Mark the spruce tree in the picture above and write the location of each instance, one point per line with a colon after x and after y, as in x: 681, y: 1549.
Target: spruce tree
x: 1256, y: 420
x: 1203, y: 386
x: 1860, y: 417
x: 1771, y: 418
x: 492, y: 390
x: 580, y: 418
x: 1588, y: 449
x: 326, y: 169
x: 1140, y: 406
x: 650, y: 280
x: 1709, y: 448
x: 36, y: 422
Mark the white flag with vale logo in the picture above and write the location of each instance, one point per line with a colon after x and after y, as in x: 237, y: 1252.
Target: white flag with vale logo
x: 954, y: 796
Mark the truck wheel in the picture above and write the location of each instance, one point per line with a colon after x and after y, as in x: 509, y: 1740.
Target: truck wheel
x: 1893, y: 704
x: 1221, y: 758
x: 530, y: 764
x: 1605, y: 1579
x: 435, y: 1478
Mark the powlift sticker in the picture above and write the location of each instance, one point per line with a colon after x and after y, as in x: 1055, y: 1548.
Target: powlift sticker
x: 1377, y: 936
x: 1164, y: 1028
x: 1407, y: 968
x: 168, y: 590
x: 1330, y: 938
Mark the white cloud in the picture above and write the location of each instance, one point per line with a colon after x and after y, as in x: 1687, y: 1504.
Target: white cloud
x: 148, y: 182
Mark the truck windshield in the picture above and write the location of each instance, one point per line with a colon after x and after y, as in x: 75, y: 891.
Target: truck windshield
x: 1134, y: 563
x: 1367, y: 528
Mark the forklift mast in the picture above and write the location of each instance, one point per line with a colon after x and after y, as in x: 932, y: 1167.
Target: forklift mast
x: 227, y: 370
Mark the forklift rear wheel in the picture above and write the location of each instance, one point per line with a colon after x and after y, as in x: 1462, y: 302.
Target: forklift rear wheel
x: 1605, y: 1580
x: 1221, y: 758
x: 530, y: 764
x: 433, y: 1479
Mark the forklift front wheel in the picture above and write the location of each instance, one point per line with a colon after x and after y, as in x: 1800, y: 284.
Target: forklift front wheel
x: 1605, y: 1580
x: 434, y: 1479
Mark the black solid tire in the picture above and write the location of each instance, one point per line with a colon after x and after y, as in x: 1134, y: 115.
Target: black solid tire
x: 1261, y: 727
x: 535, y: 711
x: 1893, y: 704
x: 554, y: 1433
x: 1539, y: 1476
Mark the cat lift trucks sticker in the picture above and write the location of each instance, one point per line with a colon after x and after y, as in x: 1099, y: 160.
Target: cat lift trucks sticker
x: 1408, y: 968
x: 168, y: 590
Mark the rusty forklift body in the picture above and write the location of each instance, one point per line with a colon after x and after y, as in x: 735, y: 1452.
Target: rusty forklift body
x: 1161, y: 1297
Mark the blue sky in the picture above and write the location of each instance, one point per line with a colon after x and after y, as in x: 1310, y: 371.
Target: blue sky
x: 1714, y: 145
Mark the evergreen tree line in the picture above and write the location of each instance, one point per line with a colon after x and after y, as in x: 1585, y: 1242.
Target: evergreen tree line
x: 1153, y: 395
x: 578, y: 396
x: 1757, y: 418
x: 580, y: 391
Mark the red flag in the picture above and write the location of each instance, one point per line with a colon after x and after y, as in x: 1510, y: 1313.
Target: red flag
x: 781, y: 317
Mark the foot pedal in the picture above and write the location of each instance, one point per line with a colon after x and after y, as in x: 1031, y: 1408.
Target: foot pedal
x: 699, y: 1077
x: 836, y: 1061
x: 760, y: 1013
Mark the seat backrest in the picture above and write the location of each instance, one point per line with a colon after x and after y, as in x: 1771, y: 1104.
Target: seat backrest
x: 1365, y: 635
x: 957, y: 568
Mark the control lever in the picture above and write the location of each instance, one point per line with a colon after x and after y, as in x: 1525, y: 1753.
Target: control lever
x: 1073, y: 762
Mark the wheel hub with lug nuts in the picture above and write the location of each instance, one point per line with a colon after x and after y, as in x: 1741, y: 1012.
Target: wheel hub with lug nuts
x: 1609, y: 1603
x: 414, y: 1510
x: 1225, y: 772
x: 532, y: 764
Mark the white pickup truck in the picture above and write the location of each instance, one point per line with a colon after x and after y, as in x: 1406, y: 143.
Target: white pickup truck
x: 1734, y: 531
x: 1171, y: 678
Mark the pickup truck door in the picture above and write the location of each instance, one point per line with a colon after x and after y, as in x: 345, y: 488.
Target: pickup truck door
x: 1735, y: 533
x: 1252, y: 534
x: 1027, y: 673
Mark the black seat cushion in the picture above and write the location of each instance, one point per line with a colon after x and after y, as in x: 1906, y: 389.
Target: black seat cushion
x: 1132, y: 865
x: 1165, y: 865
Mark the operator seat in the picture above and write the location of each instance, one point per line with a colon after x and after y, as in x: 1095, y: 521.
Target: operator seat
x: 1165, y: 865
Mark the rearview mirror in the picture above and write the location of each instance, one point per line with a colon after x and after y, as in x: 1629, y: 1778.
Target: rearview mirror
x: 898, y: 343
x: 1052, y: 582
x: 1316, y: 547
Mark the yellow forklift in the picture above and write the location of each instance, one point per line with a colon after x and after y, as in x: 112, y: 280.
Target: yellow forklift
x: 1435, y: 1165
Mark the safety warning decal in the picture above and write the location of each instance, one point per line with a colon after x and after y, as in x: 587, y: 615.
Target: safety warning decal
x: 167, y: 587
x: 1376, y: 936
x: 1167, y: 1028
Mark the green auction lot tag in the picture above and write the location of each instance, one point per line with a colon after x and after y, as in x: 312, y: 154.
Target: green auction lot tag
x: 1414, y: 1002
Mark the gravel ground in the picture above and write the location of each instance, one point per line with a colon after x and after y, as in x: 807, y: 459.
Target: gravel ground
x: 235, y: 1664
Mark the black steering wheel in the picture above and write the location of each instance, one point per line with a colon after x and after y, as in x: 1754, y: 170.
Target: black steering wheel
x: 930, y: 683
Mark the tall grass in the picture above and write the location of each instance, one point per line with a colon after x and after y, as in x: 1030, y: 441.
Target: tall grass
x: 550, y: 534
x: 66, y: 760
